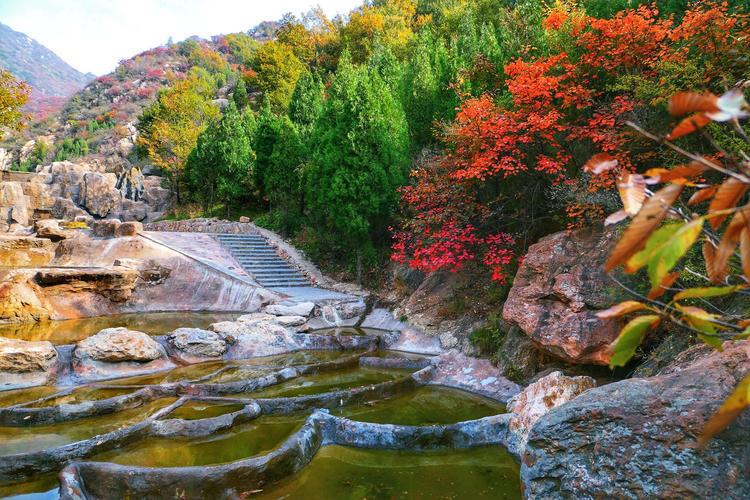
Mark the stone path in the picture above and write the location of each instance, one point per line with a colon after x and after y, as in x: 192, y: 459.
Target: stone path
x: 259, y: 259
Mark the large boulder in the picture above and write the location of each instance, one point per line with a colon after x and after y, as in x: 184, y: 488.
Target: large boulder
x: 254, y: 339
x: 119, y: 344
x: 20, y: 356
x: 14, y: 206
x: 157, y: 197
x: 537, y: 400
x: 50, y: 229
x: 26, y: 364
x: 118, y: 352
x: 197, y: 342
x: 637, y: 438
x: 557, y: 292
x: 99, y: 195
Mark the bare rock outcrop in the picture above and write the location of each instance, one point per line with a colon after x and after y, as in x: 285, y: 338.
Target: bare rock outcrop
x: 14, y: 206
x: 21, y: 300
x: 25, y: 251
x: 637, y: 438
x: 557, y: 291
x: 114, y: 283
x: 99, y: 195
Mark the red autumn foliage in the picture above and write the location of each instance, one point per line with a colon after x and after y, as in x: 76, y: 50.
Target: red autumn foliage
x: 556, y: 113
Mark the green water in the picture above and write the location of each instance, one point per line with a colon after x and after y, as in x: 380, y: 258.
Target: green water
x: 328, y: 382
x: 179, y: 374
x: 425, y: 406
x: 81, y: 396
x: 28, y: 439
x: 347, y: 473
x: 195, y: 410
x: 44, y: 487
x: 17, y: 396
x: 297, y: 358
x: 242, y: 441
x: 73, y: 330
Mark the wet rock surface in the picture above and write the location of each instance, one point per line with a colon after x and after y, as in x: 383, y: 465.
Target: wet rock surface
x: 455, y: 369
x: 637, y: 438
x: 292, y: 309
x: 557, y: 291
x: 261, y: 338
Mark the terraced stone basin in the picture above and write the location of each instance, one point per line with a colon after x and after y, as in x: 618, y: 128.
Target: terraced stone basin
x: 73, y: 330
x: 286, y: 426
x: 349, y: 474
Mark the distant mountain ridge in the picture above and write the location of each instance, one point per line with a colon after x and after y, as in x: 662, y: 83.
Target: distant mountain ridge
x: 51, y: 78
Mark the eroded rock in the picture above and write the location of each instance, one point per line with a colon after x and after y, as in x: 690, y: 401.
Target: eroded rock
x: 119, y: 344
x: 114, y: 283
x: 25, y: 251
x: 21, y: 300
x: 14, y: 206
x: 99, y: 195
x: 537, y: 400
x: 20, y: 356
x: 557, y: 291
x: 197, y: 342
x: 253, y: 339
x: 637, y: 438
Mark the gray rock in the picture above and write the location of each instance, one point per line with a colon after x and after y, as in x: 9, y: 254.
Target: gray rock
x: 197, y: 342
x: 298, y: 309
x: 637, y: 438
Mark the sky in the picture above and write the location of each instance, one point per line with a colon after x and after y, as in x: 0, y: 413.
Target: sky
x: 94, y: 35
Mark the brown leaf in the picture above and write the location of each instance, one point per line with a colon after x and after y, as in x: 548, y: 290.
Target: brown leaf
x: 689, y: 125
x: 651, y: 214
x: 727, y: 196
x: 600, y: 163
x: 666, y: 282
x: 739, y: 223
x: 683, y: 103
x: 632, y: 188
x: 745, y: 251
x: 709, y: 255
x: 702, y: 195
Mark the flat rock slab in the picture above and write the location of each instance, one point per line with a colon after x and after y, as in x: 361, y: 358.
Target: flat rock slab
x: 291, y: 309
x: 475, y: 375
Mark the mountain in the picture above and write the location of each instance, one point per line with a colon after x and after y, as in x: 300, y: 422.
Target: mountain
x: 51, y: 78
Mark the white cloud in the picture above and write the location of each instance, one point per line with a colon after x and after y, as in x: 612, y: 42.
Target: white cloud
x: 93, y: 35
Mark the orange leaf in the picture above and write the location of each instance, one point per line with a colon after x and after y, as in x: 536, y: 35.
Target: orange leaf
x: 621, y: 309
x: 683, y: 172
x: 689, y: 125
x: 683, y: 103
x: 702, y: 195
x: 727, y: 196
x: 632, y: 190
x: 709, y: 255
x: 730, y: 240
x: 729, y: 410
x: 666, y: 282
x: 745, y: 251
x: 651, y: 214
x: 600, y: 163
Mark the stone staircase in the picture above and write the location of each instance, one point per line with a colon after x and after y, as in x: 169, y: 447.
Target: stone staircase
x: 260, y: 260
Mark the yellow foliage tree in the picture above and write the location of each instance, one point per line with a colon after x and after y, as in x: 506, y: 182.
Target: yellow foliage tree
x: 177, y: 118
x: 13, y: 95
x: 277, y: 69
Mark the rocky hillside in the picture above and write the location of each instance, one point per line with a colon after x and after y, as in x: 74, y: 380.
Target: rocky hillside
x: 52, y: 79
